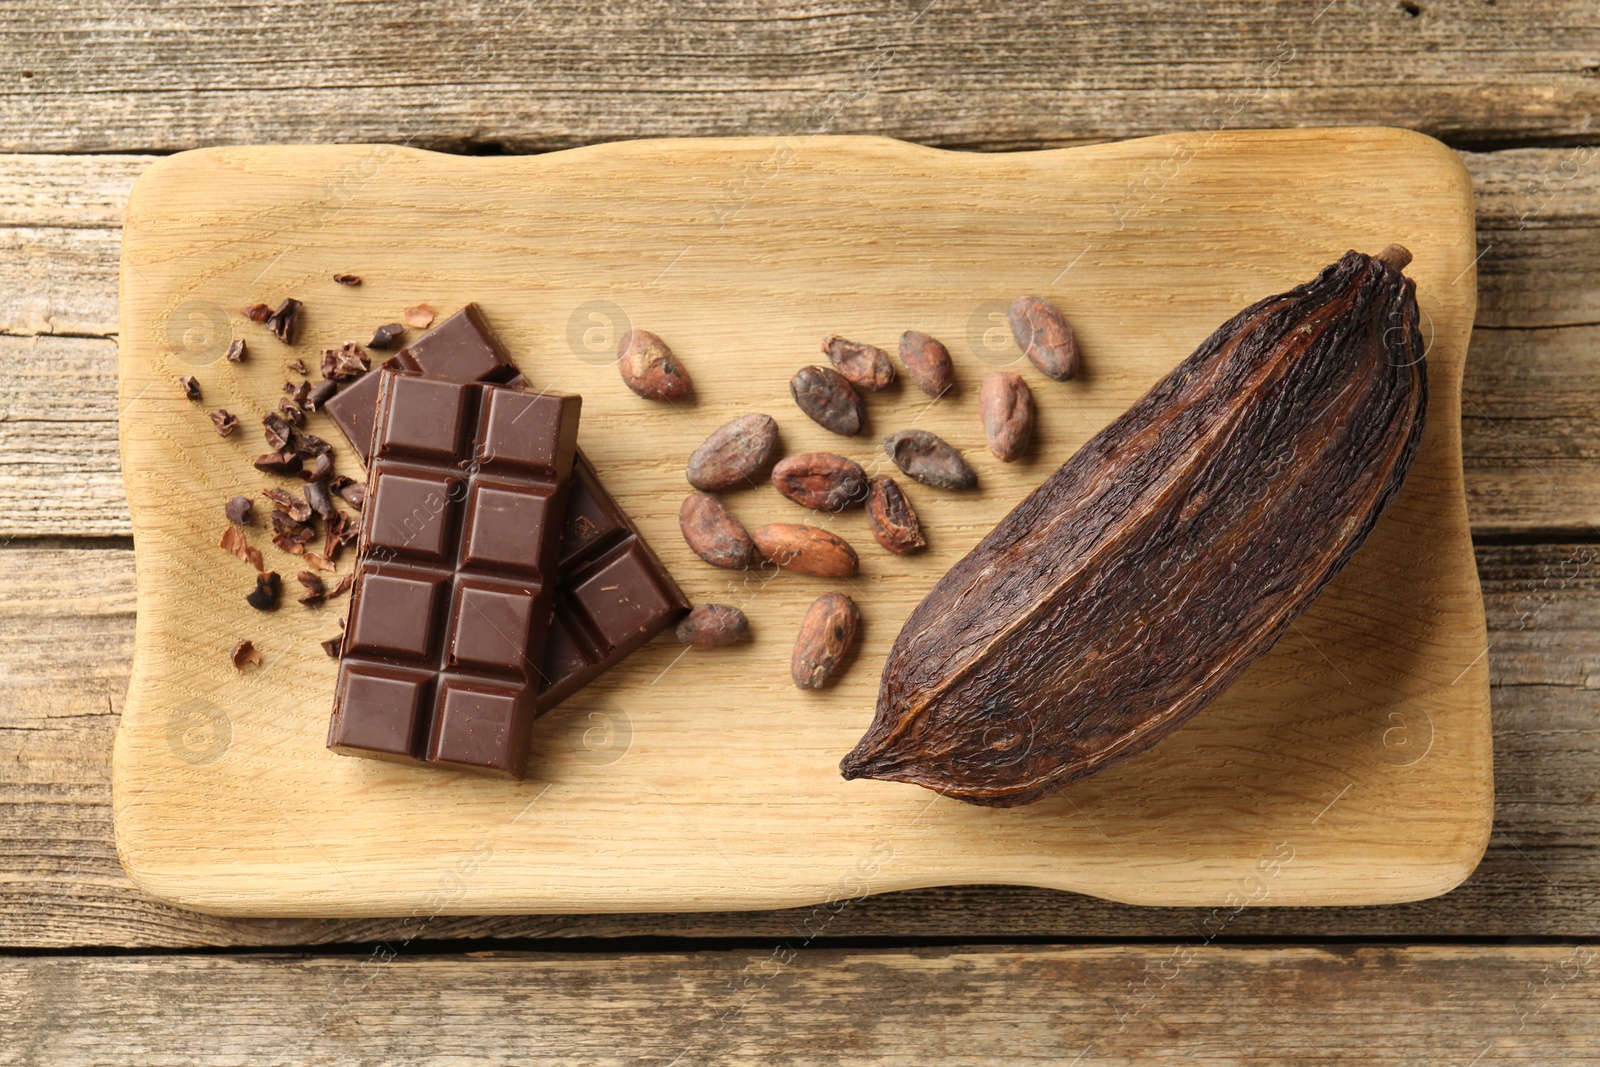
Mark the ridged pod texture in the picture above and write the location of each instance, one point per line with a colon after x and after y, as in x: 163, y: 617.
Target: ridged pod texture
x: 1138, y: 582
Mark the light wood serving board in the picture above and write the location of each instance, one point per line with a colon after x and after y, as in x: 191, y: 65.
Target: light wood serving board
x: 1351, y: 765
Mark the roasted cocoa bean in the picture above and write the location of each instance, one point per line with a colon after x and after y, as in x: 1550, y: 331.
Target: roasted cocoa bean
x: 1142, y: 578
x: 713, y: 626
x: 714, y: 533
x: 927, y: 363
x: 867, y: 366
x: 930, y: 460
x: 805, y: 550
x: 650, y: 369
x: 735, y: 455
x: 1006, y: 405
x: 829, y: 400
x: 827, y: 634
x: 821, y: 481
x: 893, y: 520
x: 1045, y: 336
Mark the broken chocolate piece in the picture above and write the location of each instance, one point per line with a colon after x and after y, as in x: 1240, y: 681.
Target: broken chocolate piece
x: 331, y: 646
x: 318, y: 395
x: 265, y: 596
x: 283, y: 321
x: 384, y: 337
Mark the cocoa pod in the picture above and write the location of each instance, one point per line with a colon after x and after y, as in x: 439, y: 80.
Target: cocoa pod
x: 892, y: 518
x: 829, y: 400
x: 1045, y: 336
x: 1141, y: 579
x: 735, y: 454
x: 927, y: 363
x: 713, y: 626
x: 821, y: 481
x: 930, y: 459
x: 1006, y: 404
x: 714, y: 533
x: 865, y: 365
x: 827, y: 634
x: 649, y: 368
x: 806, y: 550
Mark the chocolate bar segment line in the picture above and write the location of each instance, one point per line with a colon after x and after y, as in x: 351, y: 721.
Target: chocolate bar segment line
x: 461, y: 536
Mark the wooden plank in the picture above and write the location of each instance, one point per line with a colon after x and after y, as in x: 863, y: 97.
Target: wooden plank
x: 66, y: 637
x: 102, y: 75
x: 1102, y: 1005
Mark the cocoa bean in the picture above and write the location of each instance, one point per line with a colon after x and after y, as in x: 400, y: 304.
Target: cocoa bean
x: 829, y: 400
x: 1006, y: 405
x: 930, y: 460
x: 1045, y: 336
x: 894, y: 522
x: 865, y: 365
x: 649, y: 368
x: 735, y: 454
x: 713, y: 626
x: 927, y: 363
x: 714, y: 533
x: 805, y: 550
x: 827, y: 634
x: 821, y: 481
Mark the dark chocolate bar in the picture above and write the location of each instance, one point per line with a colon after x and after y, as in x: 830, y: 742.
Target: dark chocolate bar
x: 612, y: 593
x: 460, y: 540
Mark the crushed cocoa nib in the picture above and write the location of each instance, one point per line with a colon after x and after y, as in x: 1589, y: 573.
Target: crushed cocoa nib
x: 291, y: 412
x: 233, y: 542
x: 344, y: 363
x: 317, y: 494
x: 283, y: 321
x: 225, y: 422
x: 284, y: 463
x: 316, y: 562
x: 384, y: 337
x: 420, y: 316
x: 316, y: 592
x: 331, y: 646
x: 308, y: 445
x: 191, y: 388
x: 354, y: 494
x: 297, y: 365
x: 296, y: 509
x: 342, y: 588
x: 318, y: 395
x: 321, y: 470
x: 341, y: 531
x: 347, y: 279
x: 238, y: 510
x: 258, y: 313
x: 265, y: 597
x: 278, y: 431
x: 244, y: 652
x: 236, y: 351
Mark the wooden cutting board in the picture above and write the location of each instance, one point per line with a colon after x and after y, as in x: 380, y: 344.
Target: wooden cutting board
x: 1351, y: 765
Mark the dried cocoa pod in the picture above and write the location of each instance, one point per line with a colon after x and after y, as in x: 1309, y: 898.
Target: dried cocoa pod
x: 829, y: 400
x: 714, y: 533
x: 821, y: 481
x: 1006, y: 405
x: 735, y: 454
x: 827, y: 634
x: 927, y: 363
x: 892, y: 518
x: 649, y: 368
x: 930, y: 459
x: 1137, y: 583
x: 865, y: 365
x: 713, y: 626
x: 806, y: 550
x: 1045, y: 336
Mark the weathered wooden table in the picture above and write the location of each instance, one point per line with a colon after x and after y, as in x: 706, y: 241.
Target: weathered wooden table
x: 1507, y: 967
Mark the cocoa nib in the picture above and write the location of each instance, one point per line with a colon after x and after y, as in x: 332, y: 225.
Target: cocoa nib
x: 280, y: 462
x: 224, y: 421
x: 233, y: 542
x: 316, y: 592
x: 296, y: 508
x: 244, y: 652
x: 236, y: 352
x: 285, y: 320
x: 278, y: 431
x: 714, y: 533
x: 384, y: 337
x: 927, y: 363
x: 1006, y: 405
x: 190, y: 387
x: 865, y: 365
x: 821, y: 481
x: 713, y: 626
x: 829, y: 400
x: 297, y: 365
x: 345, y: 363
x: 265, y: 596
x: 321, y: 470
x: 1044, y: 336
x: 317, y: 494
x: 353, y: 493
x: 649, y: 368
x: 258, y: 313
x: 893, y: 520
x: 930, y: 459
x: 827, y: 634
x: 331, y: 646
x: 347, y: 279
x: 308, y: 445
x: 340, y: 532
x: 735, y: 454
x: 290, y: 411
x: 238, y: 510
